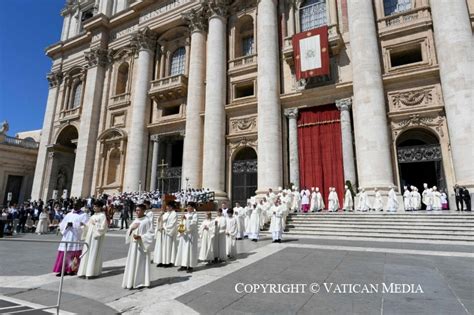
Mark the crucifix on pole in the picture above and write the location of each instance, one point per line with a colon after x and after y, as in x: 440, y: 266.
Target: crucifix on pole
x: 162, y: 166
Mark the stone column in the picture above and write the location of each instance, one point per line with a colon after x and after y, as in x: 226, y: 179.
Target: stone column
x: 214, y: 128
x: 55, y: 79
x: 454, y: 49
x: 192, y: 146
x: 291, y: 18
x: 89, y: 126
x: 105, y: 7
x: 144, y: 41
x: 344, y: 106
x: 374, y: 164
x: 268, y: 93
x: 292, y: 114
x: 155, y: 139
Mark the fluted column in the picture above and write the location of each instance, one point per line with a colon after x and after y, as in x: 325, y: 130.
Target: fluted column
x: 54, y: 79
x: 193, y: 139
x: 144, y: 41
x: 155, y: 139
x: 344, y: 106
x: 374, y: 164
x: 268, y: 93
x: 292, y: 114
x: 454, y: 49
x: 214, y: 127
x: 89, y: 126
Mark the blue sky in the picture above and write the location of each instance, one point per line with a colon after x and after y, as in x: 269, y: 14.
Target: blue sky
x: 27, y: 27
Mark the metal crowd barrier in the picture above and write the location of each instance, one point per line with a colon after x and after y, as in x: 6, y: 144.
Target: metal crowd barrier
x: 60, y: 290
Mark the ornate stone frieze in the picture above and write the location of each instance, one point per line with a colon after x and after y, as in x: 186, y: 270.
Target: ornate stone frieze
x: 144, y: 39
x: 243, y: 124
x: 54, y: 78
x: 217, y: 7
x: 406, y: 99
x: 436, y: 123
x: 196, y: 20
x: 236, y: 144
x: 344, y: 104
x: 96, y: 57
x: 419, y: 153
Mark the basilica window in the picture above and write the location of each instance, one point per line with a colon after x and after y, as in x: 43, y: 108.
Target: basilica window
x: 85, y: 15
x: 312, y: 14
x: 113, y: 167
x: 178, y: 61
x: 76, y: 95
x: 244, y: 42
x: 122, y: 79
x: 396, y: 6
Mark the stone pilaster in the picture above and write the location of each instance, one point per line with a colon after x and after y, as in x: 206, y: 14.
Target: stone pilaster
x: 454, y: 49
x: 374, y: 163
x: 344, y: 106
x: 214, y: 128
x: 144, y: 42
x: 54, y: 80
x: 270, y: 167
x: 155, y: 139
x: 292, y: 114
x: 89, y: 126
x: 193, y: 140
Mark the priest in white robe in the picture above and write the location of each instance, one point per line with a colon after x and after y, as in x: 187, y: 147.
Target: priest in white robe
x: 319, y: 201
x: 364, y: 201
x: 42, y: 226
x: 436, y: 195
x: 416, y: 199
x: 94, y: 235
x: 254, y: 223
x: 170, y: 230
x: 276, y: 226
x: 220, y: 225
x: 140, y: 237
x: 348, y: 200
x: 248, y: 213
x: 407, y: 199
x: 378, y: 201
x: 392, y: 202
x: 187, y: 254
x: 207, y: 233
x: 159, y: 238
x: 231, y: 234
x: 333, y: 200
x: 239, y: 214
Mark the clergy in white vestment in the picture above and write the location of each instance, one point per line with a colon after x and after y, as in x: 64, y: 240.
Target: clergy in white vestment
x: 220, y: 225
x: 333, y: 200
x: 71, y: 229
x: 254, y: 223
x: 364, y: 201
x: 42, y: 226
x: 239, y: 214
x: 187, y: 254
x: 169, y: 240
x: 436, y: 195
x: 304, y: 200
x: 295, y: 207
x: 207, y: 233
x: 348, y: 200
x: 407, y: 199
x: 159, y: 238
x: 378, y: 201
x: 319, y: 201
x: 94, y: 235
x: 140, y: 237
x: 149, y: 212
x: 425, y: 198
x: 312, y: 205
x: 276, y: 226
x: 231, y: 234
x: 416, y: 199
x: 392, y: 202
x: 248, y: 213
x: 224, y: 209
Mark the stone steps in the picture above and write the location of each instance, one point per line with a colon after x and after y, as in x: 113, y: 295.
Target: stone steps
x: 424, y: 227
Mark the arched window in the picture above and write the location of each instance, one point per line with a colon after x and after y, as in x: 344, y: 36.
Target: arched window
x: 396, y: 6
x: 114, y: 166
x: 178, y: 59
x: 312, y: 14
x: 76, y: 95
x: 122, y: 79
x: 245, y: 38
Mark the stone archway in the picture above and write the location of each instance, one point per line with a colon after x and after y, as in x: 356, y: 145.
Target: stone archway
x: 244, y: 175
x: 420, y: 159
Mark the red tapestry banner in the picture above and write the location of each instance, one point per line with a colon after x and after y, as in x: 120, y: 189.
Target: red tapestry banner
x: 320, y: 150
x: 311, y: 53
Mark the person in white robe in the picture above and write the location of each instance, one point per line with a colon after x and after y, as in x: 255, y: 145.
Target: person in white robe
x: 170, y: 227
x: 231, y: 234
x: 348, y: 200
x: 304, y: 200
x: 392, y: 202
x: 407, y: 199
x: 254, y: 223
x: 295, y: 207
x: 436, y: 195
x: 248, y: 213
x: 239, y: 214
x: 159, y: 239
x: 263, y: 215
x: 364, y: 201
x: 319, y: 201
x: 220, y: 224
x: 333, y: 200
x: 94, y: 235
x: 224, y: 209
x: 187, y: 254
x: 276, y: 226
x: 426, y: 197
x: 378, y: 200
x: 140, y: 237
x: 148, y: 212
x: 312, y: 205
x: 416, y: 199
x: 206, y: 234
x: 42, y: 226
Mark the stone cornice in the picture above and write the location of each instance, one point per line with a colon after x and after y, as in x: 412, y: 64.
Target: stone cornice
x: 96, y: 57
x: 196, y: 20
x: 54, y: 78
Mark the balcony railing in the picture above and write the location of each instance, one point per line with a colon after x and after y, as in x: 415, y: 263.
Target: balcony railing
x: 119, y: 100
x: 403, y: 21
x: 28, y: 144
x: 70, y: 113
x: 243, y: 63
x: 169, y: 88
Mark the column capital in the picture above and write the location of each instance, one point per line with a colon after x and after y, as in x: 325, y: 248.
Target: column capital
x: 143, y: 39
x: 155, y: 138
x: 217, y: 8
x: 291, y: 113
x: 96, y: 57
x: 344, y: 103
x: 54, y: 78
x: 196, y: 20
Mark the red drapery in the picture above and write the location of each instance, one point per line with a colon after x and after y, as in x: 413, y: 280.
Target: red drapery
x: 320, y: 150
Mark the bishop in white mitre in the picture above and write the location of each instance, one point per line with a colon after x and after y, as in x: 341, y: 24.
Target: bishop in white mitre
x: 392, y: 202
x: 333, y: 200
x: 348, y: 200
x: 276, y: 222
